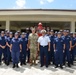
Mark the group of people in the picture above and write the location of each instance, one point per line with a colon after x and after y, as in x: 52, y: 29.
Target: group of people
x: 53, y: 48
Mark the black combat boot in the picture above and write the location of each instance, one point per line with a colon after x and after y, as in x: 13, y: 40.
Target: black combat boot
x: 7, y: 63
x: 24, y: 63
x: 72, y: 63
x: 0, y: 63
x: 21, y: 63
x: 69, y: 65
x: 61, y: 66
x: 56, y: 66
x: 17, y: 66
x: 13, y: 66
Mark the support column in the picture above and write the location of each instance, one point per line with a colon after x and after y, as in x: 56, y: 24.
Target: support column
x: 8, y: 25
x: 72, y: 26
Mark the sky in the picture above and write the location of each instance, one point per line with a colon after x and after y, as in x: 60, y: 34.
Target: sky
x: 38, y: 4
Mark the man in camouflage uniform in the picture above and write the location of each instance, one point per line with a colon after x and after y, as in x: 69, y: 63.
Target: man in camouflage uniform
x: 32, y: 45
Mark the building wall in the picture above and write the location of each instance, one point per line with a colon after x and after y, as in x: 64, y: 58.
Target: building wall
x: 45, y: 16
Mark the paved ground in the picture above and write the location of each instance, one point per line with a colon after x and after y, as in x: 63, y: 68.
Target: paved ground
x: 36, y: 70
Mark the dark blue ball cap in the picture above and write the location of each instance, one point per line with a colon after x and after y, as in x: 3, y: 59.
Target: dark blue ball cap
x: 71, y: 32
x: 67, y: 31
x: 10, y: 33
x: 52, y: 30
x: 23, y: 33
x: 61, y: 30
x: 55, y: 32
x: 2, y: 32
x: 27, y: 28
x: 16, y: 33
x: 59, y: 33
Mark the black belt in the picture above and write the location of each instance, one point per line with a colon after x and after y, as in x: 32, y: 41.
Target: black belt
x: 44, y: 46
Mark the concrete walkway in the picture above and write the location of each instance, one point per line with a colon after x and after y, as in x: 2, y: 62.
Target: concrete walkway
x: 36, y: 70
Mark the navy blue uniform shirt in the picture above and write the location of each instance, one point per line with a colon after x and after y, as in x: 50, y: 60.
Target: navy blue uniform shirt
x: 73, y: 39
x: 16, y: 44
x: 2, y: 41
x: 67, y: 41
x: 59, y: 42
x: 24, y: 42
x: 52, y: 40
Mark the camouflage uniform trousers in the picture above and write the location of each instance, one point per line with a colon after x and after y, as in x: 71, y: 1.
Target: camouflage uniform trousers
x: 33, y: 55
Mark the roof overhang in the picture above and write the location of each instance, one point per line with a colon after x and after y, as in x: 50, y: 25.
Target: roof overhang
x: 58, y: 12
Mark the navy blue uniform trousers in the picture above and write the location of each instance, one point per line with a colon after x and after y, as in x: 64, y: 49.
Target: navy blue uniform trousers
x: 43, y: 52
x: 15, y: 57
x: 59, y: 57
x: 8, y: 55
x: 72, y: 55
x: 4, y: 51
x: 23, y: 56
